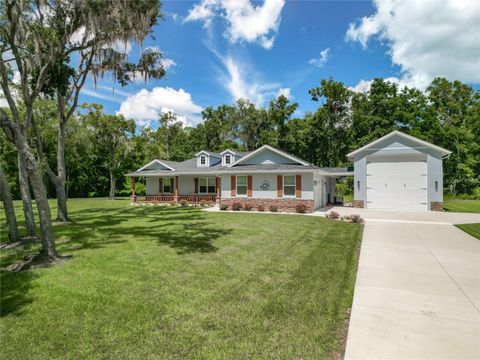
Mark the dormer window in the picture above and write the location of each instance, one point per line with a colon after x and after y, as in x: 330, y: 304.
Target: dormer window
x: 203, y: 160
x: 228, y: 159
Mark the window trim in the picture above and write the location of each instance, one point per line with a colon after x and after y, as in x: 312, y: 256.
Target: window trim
x: 246, y: 186
x: 228, y: 159
x: 294, y: 186
x: 206, y: 179
x: 203, y: 160
x: 169, y: 185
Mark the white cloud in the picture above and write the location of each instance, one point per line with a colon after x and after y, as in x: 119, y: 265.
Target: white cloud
x: 145, y: 106
x: 168, y: 63
x: 426, y: 38
x: 243, y: 83
x: 364, y: 85
x: 203, y: 11
x: 15, y: 80
x: 98, y: 95
x: 285, y: 92
x: 322, y: 59
x: 245, y: 22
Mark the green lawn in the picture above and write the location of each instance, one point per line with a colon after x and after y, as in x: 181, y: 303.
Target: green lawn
x: 472, y: 229
x: 470, y: 206
x: 176, y: 283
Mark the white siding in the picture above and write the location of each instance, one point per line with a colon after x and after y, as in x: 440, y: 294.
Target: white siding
x: 435, y: 173
x: 186, y: 184
x: 271, y: 193
x: 320, y: 190
x: 267, y: 157
x: 151, y: 185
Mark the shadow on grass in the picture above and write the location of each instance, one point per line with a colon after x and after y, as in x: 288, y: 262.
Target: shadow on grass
x: 185, y: 229
x: 15, y: 291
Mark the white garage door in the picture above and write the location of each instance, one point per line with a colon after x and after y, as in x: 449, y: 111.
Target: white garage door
x: 397, y: 185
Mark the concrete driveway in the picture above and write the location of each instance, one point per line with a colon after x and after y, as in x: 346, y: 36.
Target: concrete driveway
x: 417, y: 292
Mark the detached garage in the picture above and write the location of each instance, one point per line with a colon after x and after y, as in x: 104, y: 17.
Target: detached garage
x: 400, y: 172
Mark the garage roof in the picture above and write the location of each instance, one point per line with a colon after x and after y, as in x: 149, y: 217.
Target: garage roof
x: 400, y: 134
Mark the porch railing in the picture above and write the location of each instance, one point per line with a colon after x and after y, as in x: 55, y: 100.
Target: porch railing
x: 198, y: 199
x: 154, y: 198
x: 166, y: 199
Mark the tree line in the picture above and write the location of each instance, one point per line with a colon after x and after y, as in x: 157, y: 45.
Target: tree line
x: 102, y: 147
x: 54, y: 147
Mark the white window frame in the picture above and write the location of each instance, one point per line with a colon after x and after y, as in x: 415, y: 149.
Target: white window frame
x: 228, y: 159
x: 164, y: 180
x: 246, y: 185
x: 207, y: 185
x: 203, y: 160
x: 294, y: 186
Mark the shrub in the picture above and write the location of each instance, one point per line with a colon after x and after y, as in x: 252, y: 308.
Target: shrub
x: 183, y: 203
x: 301, y: 208
x: 261, y: 208
x: 224, y: 207
x: 273, y: 208
x: 248, y: 207
x: 173, y: 203
x: 333, y: 215
x: 237, y: 206
x: 203, y: 203
x: 355, y: 218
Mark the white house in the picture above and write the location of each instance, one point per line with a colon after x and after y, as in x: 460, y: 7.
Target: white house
x: 396, y: 171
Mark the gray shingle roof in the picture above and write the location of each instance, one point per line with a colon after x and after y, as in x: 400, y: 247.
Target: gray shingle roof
x: 190, y: 167
x: 268, y: 167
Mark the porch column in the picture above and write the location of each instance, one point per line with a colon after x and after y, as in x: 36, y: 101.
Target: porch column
x: 133, y: 197
x: 176, y: 189
x: 217, y: 189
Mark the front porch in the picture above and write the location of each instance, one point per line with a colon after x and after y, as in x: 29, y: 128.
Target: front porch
x: 194, y: 190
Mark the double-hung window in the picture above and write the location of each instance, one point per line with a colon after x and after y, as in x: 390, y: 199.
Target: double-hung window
x: 207, y: 185
x: 203, y: 160
x: 228, y: 159
x: 241, y: 185
x: 167, y: 185
x: 289, y: 185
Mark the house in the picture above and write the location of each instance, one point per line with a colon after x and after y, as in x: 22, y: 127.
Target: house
x: 397, y: 171
x: 266, y: 176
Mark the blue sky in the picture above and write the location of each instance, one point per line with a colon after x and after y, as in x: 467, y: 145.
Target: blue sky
x: 219, y: 51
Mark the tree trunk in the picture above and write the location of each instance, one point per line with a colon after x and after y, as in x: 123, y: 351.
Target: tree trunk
x: 113, y: 181
x: 13, y: 233
x: 58, y: 179
x: 47, y: 237
x: 35, y: 176
x: 26, y: 199
x: 61, y: 201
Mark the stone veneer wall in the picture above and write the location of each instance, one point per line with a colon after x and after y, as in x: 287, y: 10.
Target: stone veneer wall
x: 358, y: 204
x: 436, y: 206
x: 283, y: 204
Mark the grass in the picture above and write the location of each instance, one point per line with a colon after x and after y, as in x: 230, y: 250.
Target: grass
x: 456, y: 205
x: 176, y: 283
x: 472, y: 229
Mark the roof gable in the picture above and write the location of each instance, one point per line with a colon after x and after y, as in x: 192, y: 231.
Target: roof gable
x: 268, y: 155
x: 156, y: 165
x: 397, y: 141
x: 208, y: 153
